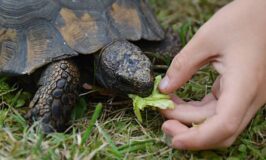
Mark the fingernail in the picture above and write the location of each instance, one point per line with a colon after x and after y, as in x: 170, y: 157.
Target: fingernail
x: 164, y: 83
x: 168, y: 139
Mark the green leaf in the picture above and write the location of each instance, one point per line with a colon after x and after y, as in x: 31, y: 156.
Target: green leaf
x: 155, y: 100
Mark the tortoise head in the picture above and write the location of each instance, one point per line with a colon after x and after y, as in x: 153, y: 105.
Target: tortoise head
x: 122, y: 66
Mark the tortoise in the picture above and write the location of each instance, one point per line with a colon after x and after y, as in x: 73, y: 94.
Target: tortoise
x: 47, y: 34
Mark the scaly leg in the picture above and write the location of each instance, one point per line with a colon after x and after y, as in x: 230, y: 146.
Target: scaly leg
x: 56, y: 96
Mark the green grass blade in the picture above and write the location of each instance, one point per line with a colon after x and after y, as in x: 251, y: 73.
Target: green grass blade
x: 108, y: 139
x: 95, y: 116
x: 135, y: 146
x: 15, y: 98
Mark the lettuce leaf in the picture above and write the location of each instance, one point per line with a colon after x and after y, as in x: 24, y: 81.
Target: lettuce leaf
x: 155, y: 100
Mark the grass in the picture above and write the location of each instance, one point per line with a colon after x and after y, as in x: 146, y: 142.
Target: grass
x: 116, y: 134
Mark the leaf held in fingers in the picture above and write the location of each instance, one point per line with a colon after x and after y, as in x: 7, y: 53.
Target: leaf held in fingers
x: 155, y: 100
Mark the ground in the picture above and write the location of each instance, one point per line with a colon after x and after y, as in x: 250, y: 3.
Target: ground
x: 113, y: 131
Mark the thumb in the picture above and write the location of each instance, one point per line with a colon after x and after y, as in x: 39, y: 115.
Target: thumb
x: 194, y: 55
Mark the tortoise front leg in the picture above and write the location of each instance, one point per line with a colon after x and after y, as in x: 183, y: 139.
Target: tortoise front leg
x: 56, y: 96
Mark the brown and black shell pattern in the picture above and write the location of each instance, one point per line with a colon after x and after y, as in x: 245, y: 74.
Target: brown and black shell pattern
x: 36, y: 32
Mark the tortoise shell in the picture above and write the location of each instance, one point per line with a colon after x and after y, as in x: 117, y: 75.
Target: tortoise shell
x: 36, y: 32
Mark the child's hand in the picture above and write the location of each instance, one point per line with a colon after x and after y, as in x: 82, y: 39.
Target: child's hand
x: 234, y: 42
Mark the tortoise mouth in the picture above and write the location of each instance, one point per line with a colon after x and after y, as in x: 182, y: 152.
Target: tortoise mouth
x: 141, y: 85
x: 143, y: 90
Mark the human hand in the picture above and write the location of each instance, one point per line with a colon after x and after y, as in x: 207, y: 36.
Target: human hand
x: 234, y: 42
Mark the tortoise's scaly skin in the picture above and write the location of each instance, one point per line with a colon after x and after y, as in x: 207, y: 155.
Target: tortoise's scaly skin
x: 56, y: 96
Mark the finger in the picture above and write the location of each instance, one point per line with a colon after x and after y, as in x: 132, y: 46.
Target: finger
x: 173, y: 127
x: 192, y: 112
x: 176, y: 99
x: 209, y: 97
x: 231, y: 108
x: 206, y: 99
x: 204, y: 136
x: 216, y: 92
x: 194, y: 55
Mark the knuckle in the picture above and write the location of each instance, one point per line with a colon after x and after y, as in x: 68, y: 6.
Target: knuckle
x: 176, y: 65
x: 177, y: 61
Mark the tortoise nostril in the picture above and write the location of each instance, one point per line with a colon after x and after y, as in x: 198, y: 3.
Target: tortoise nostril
x: 131, y: 62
